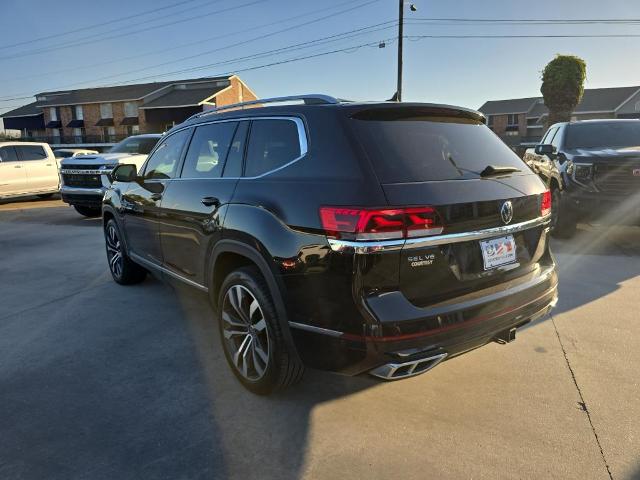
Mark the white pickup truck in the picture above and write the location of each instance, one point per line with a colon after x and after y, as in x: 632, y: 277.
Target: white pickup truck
x: 27, y: 168
x: 84, y: 179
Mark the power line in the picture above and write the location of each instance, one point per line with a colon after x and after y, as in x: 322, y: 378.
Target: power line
x: 244, y: 42
x: 183, y: 45
x: 534, y: 20
x: 93, y: 39
x: 98, y: 25
x: 260, y: 37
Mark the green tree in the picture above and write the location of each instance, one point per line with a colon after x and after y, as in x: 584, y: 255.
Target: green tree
x: 563, y: 86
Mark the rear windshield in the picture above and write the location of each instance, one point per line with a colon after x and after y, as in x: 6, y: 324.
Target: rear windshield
x: 603, y: 135
x: 418, y: 149
x: 134, y: 145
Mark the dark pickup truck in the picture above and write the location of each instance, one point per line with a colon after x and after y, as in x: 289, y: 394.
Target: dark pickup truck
x: 592, y: 168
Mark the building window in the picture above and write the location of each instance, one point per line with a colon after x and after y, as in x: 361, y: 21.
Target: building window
x: 109, y: 134
x: 133, y: 130
x: 53, y: 114
x: 130, y: 109
x: 106, y: 110
x: 77, y: 113
x: 56, y: 133
x: 78, y: 134
x: 490, y: 121
x: 512, y: 123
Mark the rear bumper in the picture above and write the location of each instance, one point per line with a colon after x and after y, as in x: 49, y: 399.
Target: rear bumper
x: 90, y: 197
x: 404, y: 332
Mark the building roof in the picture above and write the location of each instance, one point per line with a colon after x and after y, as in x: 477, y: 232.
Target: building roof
x: 183, y: 98
x: 514, y: 105
x: 112, y: 94
x: 593, y: 100
x: 24, y: 111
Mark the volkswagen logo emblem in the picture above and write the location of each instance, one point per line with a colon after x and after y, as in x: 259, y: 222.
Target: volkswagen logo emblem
x: 506, y: 212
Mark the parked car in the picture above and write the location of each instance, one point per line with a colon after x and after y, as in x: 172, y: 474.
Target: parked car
x: 592, y: 168
x: 351, y: 237
x: 27, y: 168
x: 73, y: 152
x: 84, y: 179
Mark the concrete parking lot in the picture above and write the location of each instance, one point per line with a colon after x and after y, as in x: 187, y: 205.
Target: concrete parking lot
x: 100, y: 381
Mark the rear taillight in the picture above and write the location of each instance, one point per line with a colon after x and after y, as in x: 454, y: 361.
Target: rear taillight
x: 380, y: 224
x: 545, y: 204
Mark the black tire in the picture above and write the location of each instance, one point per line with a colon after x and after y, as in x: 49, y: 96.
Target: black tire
x: 90, y: 212
x: 563, y: 220
x: 282, y: 367
x: 123, y: 270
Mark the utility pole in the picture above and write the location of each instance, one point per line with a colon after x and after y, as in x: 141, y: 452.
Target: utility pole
x: 400, y: 35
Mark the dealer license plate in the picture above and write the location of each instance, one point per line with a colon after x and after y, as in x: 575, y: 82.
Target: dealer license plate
x: 498, y: 251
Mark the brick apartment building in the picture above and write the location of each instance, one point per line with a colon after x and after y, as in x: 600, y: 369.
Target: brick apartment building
x: 100, y: 117
x: 520, y: 121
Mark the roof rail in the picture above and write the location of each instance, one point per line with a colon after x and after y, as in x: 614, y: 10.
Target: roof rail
x: 310, y: 99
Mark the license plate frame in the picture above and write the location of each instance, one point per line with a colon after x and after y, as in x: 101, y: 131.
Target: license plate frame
x: 498, y: 252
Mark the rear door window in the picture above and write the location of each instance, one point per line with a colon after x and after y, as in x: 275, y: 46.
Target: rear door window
x: 208, y: 150
x: 8, y: 154
x: 419, y: 149
x: 272, y: 144
x: 31, y: 152
x: 233, y: 166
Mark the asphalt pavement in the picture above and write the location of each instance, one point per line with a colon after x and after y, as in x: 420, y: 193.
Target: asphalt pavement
x: 100, y: 381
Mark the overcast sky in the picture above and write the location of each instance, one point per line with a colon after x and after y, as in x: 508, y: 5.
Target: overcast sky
x: 120, y: 40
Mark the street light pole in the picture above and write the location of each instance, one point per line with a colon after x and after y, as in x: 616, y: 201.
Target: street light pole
x: 400, y: 35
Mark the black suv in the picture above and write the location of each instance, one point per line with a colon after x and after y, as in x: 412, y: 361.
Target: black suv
x: 592, y: 168
x: 352, y: 237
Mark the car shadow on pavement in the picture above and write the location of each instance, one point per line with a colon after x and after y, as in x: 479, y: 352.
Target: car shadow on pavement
x: 255, y: 430
x: 612, y: 251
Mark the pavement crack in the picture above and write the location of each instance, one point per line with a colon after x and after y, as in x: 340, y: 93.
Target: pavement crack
x: 582, y: 403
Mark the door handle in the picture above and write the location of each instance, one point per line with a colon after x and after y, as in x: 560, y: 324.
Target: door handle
x: 156, y: 196
x: 17, y: 166
x: 210, y: 201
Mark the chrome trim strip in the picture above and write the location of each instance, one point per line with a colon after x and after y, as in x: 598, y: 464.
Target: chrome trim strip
x: 364, y: 247
x: 159, y: 268
x: 311, y: 328
x: 82, y: 191
x: 302, y: 141
x: 69, y: 171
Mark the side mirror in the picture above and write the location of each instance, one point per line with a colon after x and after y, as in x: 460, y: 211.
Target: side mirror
x: 545, y: 149
x: 125, y: 173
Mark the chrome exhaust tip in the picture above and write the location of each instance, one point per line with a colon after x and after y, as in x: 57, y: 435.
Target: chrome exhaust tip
x: 396, y: 371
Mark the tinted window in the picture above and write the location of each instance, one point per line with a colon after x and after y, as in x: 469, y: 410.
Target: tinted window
x: 31, y: 152
x: 555, y: 141
x: 546, y: 140
x: 422, y: 149
x: 233, y: 167
x: 8, y: 154
x: 142, y: 145
x: 603, y: 134
x: 208, y: 150
x: 164, y: 161
x: 63, y: 153
x: 272, y: 144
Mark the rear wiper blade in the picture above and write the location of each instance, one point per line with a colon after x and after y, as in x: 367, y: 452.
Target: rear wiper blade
x: 492, y: 170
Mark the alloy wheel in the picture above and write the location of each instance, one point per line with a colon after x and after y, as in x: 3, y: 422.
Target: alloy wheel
x: 114, y: 251
x: 245, y: 332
